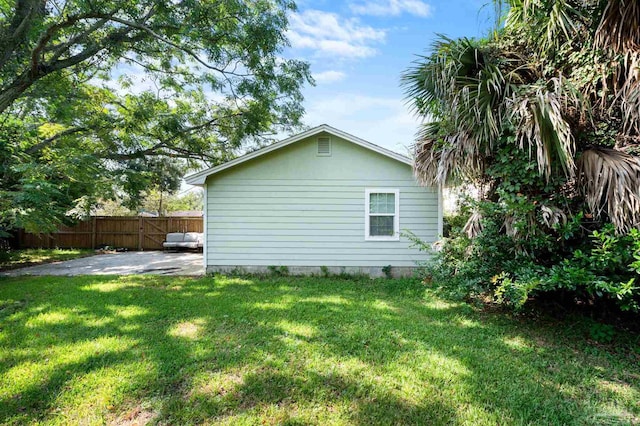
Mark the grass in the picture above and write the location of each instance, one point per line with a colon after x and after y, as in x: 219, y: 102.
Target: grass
x: 14, y: 259
x: 217, y: 350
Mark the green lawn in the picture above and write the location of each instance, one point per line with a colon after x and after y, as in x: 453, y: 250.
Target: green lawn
x: 13, y: 259
x: 130, y: 350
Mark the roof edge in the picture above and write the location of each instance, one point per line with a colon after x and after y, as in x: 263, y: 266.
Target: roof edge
x: 200, y: 177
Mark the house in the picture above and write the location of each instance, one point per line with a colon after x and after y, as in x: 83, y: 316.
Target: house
x: 319, y: 201
x: 185, y: 213
x: 179, y: 213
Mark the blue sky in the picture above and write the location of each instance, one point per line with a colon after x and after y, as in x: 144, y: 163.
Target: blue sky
x: 359, y: 48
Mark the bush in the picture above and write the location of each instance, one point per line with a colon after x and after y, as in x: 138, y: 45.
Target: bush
x: 601, y: 269
x: 531, y: 240
x: 606, y: 273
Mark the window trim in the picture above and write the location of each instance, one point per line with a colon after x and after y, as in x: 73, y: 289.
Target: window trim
x: 367, y: 214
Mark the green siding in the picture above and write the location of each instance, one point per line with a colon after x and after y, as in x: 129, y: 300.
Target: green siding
x: 291, y: 207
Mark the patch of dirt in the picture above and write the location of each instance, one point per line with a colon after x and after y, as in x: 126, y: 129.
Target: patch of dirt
x: 187, y: 329
x: 220, y: 386
x: 137, y: 416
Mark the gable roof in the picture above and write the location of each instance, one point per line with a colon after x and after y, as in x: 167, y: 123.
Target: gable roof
x: 200, y: 177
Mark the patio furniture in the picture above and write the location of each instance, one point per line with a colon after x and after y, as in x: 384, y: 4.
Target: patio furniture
x: 183, y: 240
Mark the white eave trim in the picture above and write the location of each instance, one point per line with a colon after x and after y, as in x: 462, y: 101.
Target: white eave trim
x: 200, y: 177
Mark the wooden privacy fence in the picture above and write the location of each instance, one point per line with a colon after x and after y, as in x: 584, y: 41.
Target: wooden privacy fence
x: 137, y: 233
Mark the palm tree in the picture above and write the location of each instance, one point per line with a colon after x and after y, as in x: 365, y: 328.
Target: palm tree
x: 560, y: 80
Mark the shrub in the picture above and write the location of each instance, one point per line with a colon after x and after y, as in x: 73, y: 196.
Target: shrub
x: 324, y: 270
x: 280, y: 271
x: 603, y: 271
x: 532, y: 240
x: 387, y: 271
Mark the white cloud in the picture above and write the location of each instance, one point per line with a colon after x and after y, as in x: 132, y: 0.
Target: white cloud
x: 332, y: 36
x: 391, y: 7
x: 330, y: 76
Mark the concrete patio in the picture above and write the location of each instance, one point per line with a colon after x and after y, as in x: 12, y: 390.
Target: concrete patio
x: 127, y: 263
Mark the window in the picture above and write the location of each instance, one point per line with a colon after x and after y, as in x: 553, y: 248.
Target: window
x: 324, y: 146
x: 382, y: 214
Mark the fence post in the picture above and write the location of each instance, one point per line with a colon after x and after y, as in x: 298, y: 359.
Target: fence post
x: 94, y: 237
x: 140, y: 232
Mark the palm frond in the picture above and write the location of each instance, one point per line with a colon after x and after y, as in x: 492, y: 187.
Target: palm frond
x: 447, y: 159
x: 629, y: 92
x: 463, y: 91
x: 556, y: 20
x: 552, y: 216
x: 561, y: 19
x: 426, y: 165
x: 610, y: 181
x: 473, y: 227
x: 510, y: 226
x: 539, y: 116
x: 619, y: 27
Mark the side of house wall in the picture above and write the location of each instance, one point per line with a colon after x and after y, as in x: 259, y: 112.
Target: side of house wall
x: 295, y: 208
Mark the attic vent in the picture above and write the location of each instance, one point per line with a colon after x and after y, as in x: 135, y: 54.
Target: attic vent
x: 324, y: 146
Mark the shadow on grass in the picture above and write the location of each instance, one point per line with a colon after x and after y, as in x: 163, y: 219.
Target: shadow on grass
x: 363, y: 352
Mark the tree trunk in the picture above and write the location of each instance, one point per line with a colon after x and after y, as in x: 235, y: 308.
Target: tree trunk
x: 9, y: 94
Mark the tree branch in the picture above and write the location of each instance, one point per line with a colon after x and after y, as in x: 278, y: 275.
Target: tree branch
x: 60, y: 49
x: 164, y: 40
x: 20, y: 84
x: 14, y: 35
x: 41, y: 145
x: 9, y: 93
x: 49, y: 33
x: 206, y: 124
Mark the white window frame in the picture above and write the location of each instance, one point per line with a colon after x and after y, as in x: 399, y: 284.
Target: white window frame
x: 367, y: 214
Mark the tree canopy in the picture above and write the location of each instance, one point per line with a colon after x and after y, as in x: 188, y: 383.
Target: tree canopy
x: 93, y: 93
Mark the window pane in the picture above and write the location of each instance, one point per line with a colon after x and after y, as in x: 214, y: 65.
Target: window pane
x: 381, y: 226
x: 382, y: 203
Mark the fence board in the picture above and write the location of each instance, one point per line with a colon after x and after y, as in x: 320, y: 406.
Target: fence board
x: 136, y: 233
